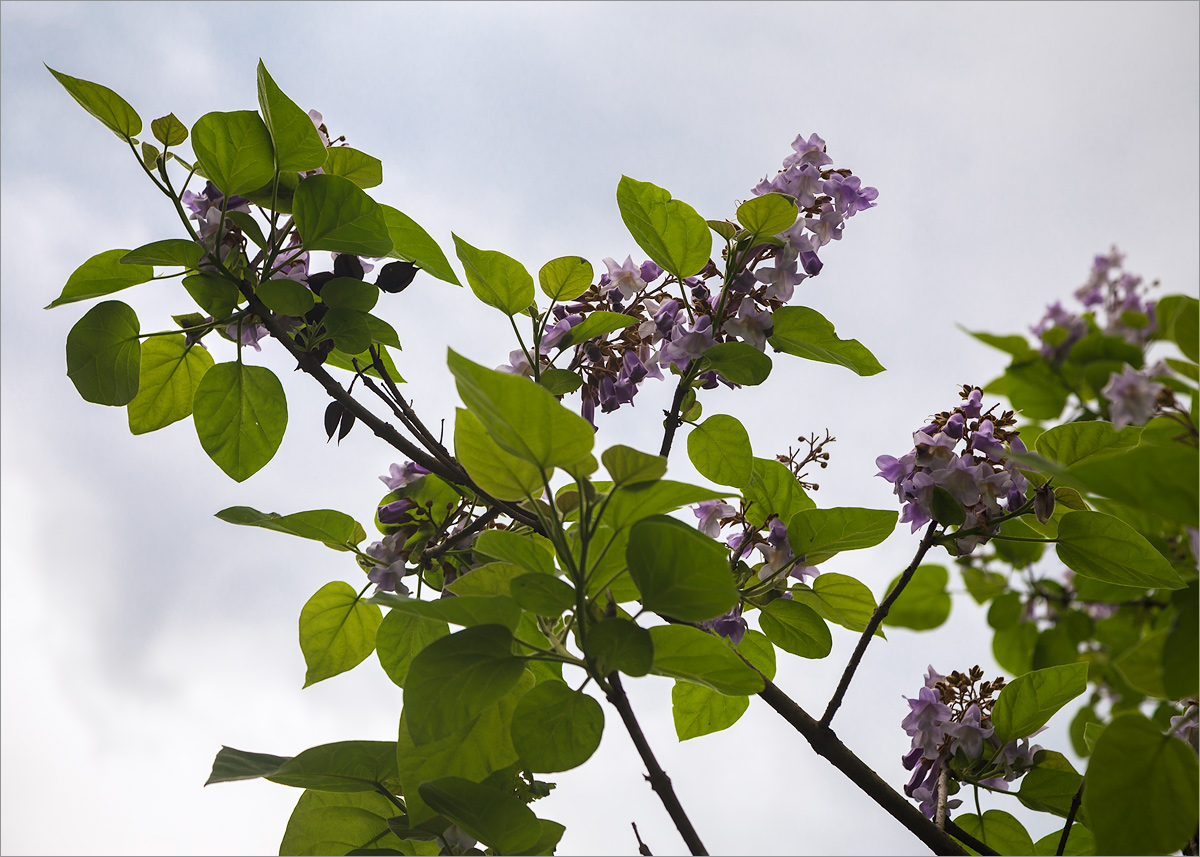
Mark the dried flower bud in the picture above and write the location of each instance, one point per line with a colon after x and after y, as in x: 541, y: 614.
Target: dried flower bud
x: 1043, y: 502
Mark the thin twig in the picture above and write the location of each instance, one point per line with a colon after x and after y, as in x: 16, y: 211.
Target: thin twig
x: 470, y: 530
x: 673, y: 422
x: 643, y: 848
x: 876, y: 618
x: 1062, y: 842
x: 659, y: 781
x: 967, y: 839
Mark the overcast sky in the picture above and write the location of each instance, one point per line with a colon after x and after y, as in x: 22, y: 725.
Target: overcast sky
x: 1009, y: 143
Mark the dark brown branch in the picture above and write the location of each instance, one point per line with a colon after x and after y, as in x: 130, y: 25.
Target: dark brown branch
x: 1062, y: 842
x: 873, y: 625
x: 643, y: 848
x: 672, y: 421
x: 659, y: 781
x: 823, y: 740
x: 454, y: 538
x: 382, y: 430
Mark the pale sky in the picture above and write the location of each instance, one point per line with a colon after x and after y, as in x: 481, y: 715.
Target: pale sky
x: 1009, y: 144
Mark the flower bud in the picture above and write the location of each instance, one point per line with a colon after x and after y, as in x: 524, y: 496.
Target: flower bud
x: 1043, y: 502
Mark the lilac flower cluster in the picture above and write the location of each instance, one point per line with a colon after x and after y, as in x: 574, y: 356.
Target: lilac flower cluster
x: 981, y: 479
x: 675, y: 329
x: 1120, y: 296
x: 1132, y: 397
x: 950, y: 726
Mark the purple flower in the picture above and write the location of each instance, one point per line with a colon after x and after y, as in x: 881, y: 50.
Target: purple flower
x: 686, y: 345
x: 926, y: 721
x: 782, y: 279
x: 968, y: 735
x: 518, y: 364
x: 752, y: 324
x: 810, y: 151
x: 388, y: 578
x: 400, y: 475
x: 650, y: 272
x: 848, y: 194
x: 828, y: 227
x: 1132, y: 397
x: 397, y: 512
x: 557, y: 331
x: 626, y: 278
x: 731, y: 625
x: 249, y: 335
x: 710, y: 512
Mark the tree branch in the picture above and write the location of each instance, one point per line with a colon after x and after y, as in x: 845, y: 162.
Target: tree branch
x: 873, y: 625
x: 823, y: 740
x: 1062, y: 843
x: 659, y: 781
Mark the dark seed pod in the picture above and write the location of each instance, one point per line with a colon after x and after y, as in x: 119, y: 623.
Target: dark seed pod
x: 347, y: 265
x: 347, y: 424
x: 333, y: 416
x: 317, y: 281
x: 395, y: 277
x: 322, y: 350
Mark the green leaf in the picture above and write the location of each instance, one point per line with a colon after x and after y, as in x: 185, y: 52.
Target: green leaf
x: 1013, y: 647
x: 496, y: 819
x: 1080, y: 841
x: 333, y: 823
x: 383, y: 333
x: 492, y: 578
x: 818, y: 534
x: 620, y: 644
x: 1051, y: 786
x: 1158, y: 479
x: 1178, y: 321
x: 680, y: 571
x: 1180, y: 656
x: 698, y: 710
x: 924, y: 604
x: 170, y: 252
x: 560, y: 382
x: 565, y: 278
x: 1141, y: 793
x: 285, y: 296
x: 337, y: 631
x: 104, y: 354
x: 469, y: 610
x: 804, y: 332
x: 1029, y: 701
x: 1034, y: 389
x: 739, y: 362
x: 401, y: 636
x: 452, y: 680
x: 231, y: 765
x: 112, y: 110
x: 1079, y: 724
x: 1005, y: 611
x: 215, y: 295
x: 168, y: 130
x: 983, y: 585
x: 101, y: 275
x: 332, y: 213
x: 344, y: 766
x: 413, y: 244
x: 334, y: 529
x: 719, y: 448
x: 474, y: 751
x: 669, y: 230
x: 998, y: 830
x: 170, y: 373
x: 240, y: 413
x: 627, y: 466
x: 1019, y: 554
x: 498, y: 280
x: 1105, y: 548
x: 796, y: 628
x: 234, y: 150
x: 1142, y: 665
x: 276, y: 195
x: 1072, y: 443
x: 349, y: 329
x: 1017, y: 346
x: 758, y: 650
x: 768, y: 214
x: 687, y: 653
x: 349, y: 293
x: 773, y: 490
x: 530, y: 551
x: 629, y: 505
x: 723, y: 228
x: 522, y: 417
x: 598, y: 323
x: 840, y: 599
x: 555, y: 728
x: 362, y: 169
x: 298, y: 144
x: 497, y: 472
x: 542, y: 594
